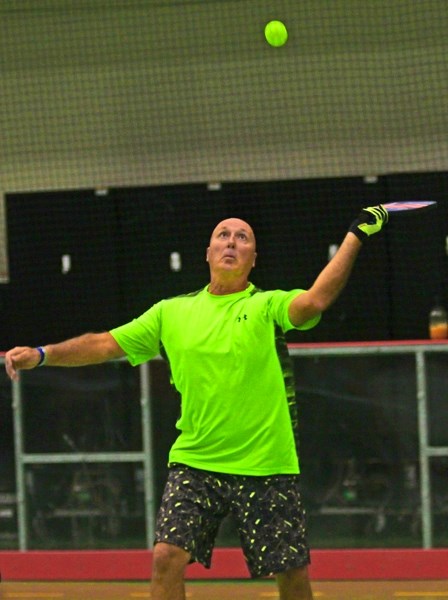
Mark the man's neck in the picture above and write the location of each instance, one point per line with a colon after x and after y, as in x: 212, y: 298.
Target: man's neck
x: 221, y: 288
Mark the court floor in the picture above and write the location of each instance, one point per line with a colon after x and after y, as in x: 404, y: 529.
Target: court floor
x: 225, y: 590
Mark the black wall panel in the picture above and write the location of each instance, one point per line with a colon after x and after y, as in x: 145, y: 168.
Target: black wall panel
x: 120, y: 245
x: 417, y: 253
x: 155, y: 223
x: 43, y: 303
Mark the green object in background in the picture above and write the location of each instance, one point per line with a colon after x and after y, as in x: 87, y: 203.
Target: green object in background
x: 276, y: 33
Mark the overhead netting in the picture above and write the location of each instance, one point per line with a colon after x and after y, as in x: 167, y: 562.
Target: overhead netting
x: 135, y: 126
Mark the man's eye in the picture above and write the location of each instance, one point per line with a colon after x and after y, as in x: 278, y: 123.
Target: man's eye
x: 223, y: 234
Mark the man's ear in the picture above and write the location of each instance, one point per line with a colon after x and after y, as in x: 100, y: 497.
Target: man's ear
x: 255, y: 258
x: 206, y: 254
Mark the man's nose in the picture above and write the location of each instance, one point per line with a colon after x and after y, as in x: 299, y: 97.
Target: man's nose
x: 231, y: 242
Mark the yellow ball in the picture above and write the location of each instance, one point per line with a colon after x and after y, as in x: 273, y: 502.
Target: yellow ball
x: 276, y: 33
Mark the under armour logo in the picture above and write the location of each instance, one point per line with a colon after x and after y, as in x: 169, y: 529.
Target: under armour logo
x: 243, y: 317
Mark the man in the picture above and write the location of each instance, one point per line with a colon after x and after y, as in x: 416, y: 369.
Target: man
x: 237, y: 450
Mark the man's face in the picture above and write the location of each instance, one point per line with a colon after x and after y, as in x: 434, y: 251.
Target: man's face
x: 232, y: 248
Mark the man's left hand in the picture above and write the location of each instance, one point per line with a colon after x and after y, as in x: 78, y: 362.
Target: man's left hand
x: 370, y: 220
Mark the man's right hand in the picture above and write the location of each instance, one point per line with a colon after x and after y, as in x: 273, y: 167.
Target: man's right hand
x: 21, y: 357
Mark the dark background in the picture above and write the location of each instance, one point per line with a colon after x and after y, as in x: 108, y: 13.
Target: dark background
x: 120, y: 244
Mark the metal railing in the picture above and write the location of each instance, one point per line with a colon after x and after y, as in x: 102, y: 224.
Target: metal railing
x: 144, y: 456
x: 418, y: 349
x: 426, y: 452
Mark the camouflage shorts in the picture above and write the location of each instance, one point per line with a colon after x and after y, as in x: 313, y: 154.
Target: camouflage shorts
x: 267, y: 511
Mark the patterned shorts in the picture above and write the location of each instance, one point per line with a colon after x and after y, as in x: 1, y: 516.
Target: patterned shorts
x: 267, y: 511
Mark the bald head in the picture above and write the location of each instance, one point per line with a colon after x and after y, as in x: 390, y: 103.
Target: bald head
x: 235, y: 223
x: 231, y: 254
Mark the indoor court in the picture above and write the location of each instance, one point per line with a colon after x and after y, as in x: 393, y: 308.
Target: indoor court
x: 130, y: 129
x: 335, y: 575
x: 224, y: 590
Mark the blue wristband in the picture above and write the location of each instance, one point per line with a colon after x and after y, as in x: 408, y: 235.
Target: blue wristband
x: 43, y: 356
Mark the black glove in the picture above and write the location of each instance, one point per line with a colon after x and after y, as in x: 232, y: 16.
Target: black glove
x: 370, y: 220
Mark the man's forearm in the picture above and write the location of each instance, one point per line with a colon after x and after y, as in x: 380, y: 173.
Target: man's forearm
x: 87, y: 349
x: 329, y: 283
x: 334, y: 276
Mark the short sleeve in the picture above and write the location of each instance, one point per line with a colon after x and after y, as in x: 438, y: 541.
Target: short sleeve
x: 279, y: 309
x: 140, y: 338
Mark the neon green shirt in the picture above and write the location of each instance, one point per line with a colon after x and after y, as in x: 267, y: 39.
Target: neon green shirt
x: 237, y: 413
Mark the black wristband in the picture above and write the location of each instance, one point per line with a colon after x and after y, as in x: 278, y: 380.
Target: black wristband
x: 43, y: 356
x: 361, y: 235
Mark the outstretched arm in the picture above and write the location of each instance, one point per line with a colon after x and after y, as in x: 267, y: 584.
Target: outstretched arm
x: 87, y: 349
x: 333, y: 278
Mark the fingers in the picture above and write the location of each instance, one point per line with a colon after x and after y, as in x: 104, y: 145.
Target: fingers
x: 379, y: 212
x: 21, y: 357
x: 384, y: 213
x: 10, y: 366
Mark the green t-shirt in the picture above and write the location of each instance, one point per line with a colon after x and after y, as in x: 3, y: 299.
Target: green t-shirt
x: 224, y: 352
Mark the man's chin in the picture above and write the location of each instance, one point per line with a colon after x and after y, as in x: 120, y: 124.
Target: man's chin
x: 229, y: 263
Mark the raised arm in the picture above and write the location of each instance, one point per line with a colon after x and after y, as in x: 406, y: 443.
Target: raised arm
x: 87, y: 349
x: 333, y: 278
